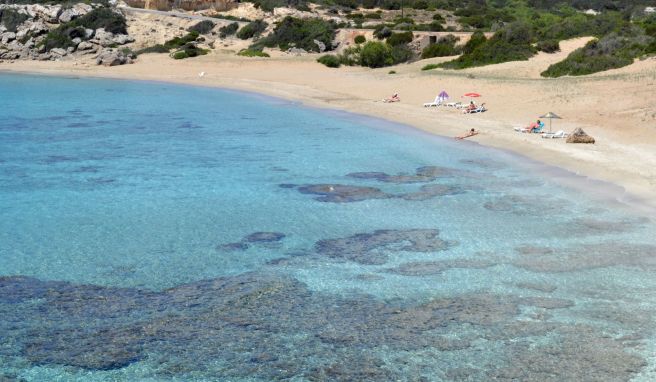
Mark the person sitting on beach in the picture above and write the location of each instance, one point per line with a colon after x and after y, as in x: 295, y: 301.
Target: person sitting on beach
x: 534, y: 126
x: 470, y: 133
x: 471, y: 107
x: 393, y: 98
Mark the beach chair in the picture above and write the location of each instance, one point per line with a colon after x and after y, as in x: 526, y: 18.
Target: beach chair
x: 479, y: 109
x: 437, y: 102
x: 454, y: 104
x: 557, y: 134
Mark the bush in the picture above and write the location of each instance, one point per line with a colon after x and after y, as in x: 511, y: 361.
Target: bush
x: 330, y: 60
x: 376, y: 55
x: 300, y: 33
x: 228, y: 30
x: 203, y: 27
x: 189, y: 50
x: 445, y: 46
x: 611, y: 52
x: 252, y: 53
x: 62, y: 36
x: 548, y: 46
x: 159, y: 48
x: 382, y: 32
x: 11, y: 19
x: 102, y: 18
x: 177, y: 42
x: 230, y: 17
x: 373, y: 16
x: 392, y: 72
x: 430, y: 67
x: 401, y: 53
x: 476, y: 39
x: 438, y: 17
x: 402, y: 38
x: 359, y: 39
x: 252, y: 29
x: 512, y: 43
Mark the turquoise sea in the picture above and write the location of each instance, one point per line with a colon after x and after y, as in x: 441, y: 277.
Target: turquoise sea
x: 157, y: 232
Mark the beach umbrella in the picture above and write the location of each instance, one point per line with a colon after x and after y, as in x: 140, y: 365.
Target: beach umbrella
x: 550, y: 115
x: 472, y: 95
x: 443, y: 94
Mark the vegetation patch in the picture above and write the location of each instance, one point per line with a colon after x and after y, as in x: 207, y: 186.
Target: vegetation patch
x: 610, y: 52
x: 203, y: 27
x: 11, y: 19
x: 228, y: 30
x: 178, y: 42
x: 252, y: 29
x: 252, y: 53
x: 189, y: 50
x: 63, y: 35
x: 159, y: 48
x: 445, y: 46
x: 330, y: 60
x: 300, y: 33
x: 359, y: 39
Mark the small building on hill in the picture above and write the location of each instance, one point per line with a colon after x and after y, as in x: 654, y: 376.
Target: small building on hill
x: 650, y: 10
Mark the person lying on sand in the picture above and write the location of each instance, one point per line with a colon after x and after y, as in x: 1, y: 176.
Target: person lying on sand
x: 470, y: 133
x: 393, y: 98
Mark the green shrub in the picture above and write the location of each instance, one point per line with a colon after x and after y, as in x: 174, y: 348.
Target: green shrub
x: 430, y: 67
x: 373, y: 16
x: 512, y: 43
x: 420, y: 4
x: 392, y: 72
x: 300, y: 33
x: 438, y: 17
x: 177, y: 42
x: 400, y: 38
x: 382, y: 32
x: 252, y: 29
x: 476, y: 39
x: 359, y: 39
x: 611, y: 52
x: 330, y: 60
x: 376, y: 55
x: 228, y: 30
x: 445, y: 46
x: 548, y: 46
x: 252, y: 53
x: 203, y: 27
x: 159, y: 48
x: 189, y: 50
x: 230, y: 17
x: 102, y: 18
x: 11, y: 19
x: 400, y: 53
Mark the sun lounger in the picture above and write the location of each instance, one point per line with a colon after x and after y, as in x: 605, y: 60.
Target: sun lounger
x: 557, y: 134
x: 454, y: 104
x: 437, y: 102
x: 479, y: 109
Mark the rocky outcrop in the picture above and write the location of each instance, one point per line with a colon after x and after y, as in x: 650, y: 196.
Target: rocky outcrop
x: 27, y: 39
x: 579, y: 136
x: 113, y: 57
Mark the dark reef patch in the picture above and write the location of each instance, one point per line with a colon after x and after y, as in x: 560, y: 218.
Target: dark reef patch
x: 253, y: 238
x: 268, y: 327
x: 339, y: 193
x: 372, y: 248
x: 425, y: 268
x: 584, y: 257
x: 422, y: 175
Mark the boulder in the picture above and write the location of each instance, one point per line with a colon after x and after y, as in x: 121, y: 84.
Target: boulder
x: 122, y: 39
x: 321, y: 45
x: 296, y: 51
x: 48, y: 13
x: 7, y: 36
x: 74, y: 12
x: 85, y: 45
x: 58, y: 52
x: 111, y: 57
x: 104, y: 38
x: 579, y: 136
x: 88, y: 33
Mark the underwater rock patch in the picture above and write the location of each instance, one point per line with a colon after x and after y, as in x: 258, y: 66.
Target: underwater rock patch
x: 426, y: 268
x: 268, y: 327
x: 339, y: 193
x: 591, y: 226
x: 373, y: 248
x: 422, y: 175
x: 430, y: 191
x: 538, y: 287
x: 521, y: 205
x: 583, y: 257
x: 253, y: 238
x: 576, y: 354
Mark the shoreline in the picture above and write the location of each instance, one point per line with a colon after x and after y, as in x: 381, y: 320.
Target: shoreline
x: 342, y: 90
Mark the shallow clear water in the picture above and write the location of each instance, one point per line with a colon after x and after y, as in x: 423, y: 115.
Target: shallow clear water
x: 157, y: 232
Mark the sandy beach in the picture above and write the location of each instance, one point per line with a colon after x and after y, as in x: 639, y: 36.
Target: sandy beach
x: 615, y: 107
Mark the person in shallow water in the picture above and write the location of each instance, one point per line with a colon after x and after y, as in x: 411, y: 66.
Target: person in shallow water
x: 470, y: 133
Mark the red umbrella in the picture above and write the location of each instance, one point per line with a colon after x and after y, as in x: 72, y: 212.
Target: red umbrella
x: 472, y: 95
